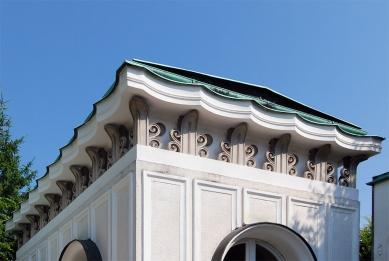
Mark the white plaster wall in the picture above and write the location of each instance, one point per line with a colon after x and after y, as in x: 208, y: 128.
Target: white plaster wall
x: 226, y: 196
x: 156, y: 208
x: 381, y: 220
x: 101, y: 213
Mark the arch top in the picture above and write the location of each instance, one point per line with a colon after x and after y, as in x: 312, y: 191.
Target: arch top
x: 290, y: 244
x: 81, y: 250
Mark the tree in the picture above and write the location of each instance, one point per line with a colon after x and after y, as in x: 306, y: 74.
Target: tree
x: 365, y: 240
x: 15, y: 180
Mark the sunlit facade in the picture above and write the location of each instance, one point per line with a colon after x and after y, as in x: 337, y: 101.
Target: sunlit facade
x: 178, y: 165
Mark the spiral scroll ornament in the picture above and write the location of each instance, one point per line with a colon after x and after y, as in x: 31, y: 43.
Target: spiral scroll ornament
x: 330, y: 170
x: 131, y: 141
x: 123, y: 143
x: 175, y: 144
x: 109, y: 159
x: 270, y: 163
x: 203, y: 140
x: 225, y: 155
x: 344, y: 179
x: 251, y: 151
x: 292, y: 161
x: 155, y: 130
x: 311, y: 172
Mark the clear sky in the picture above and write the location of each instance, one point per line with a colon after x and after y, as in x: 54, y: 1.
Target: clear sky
x: 59, y: 57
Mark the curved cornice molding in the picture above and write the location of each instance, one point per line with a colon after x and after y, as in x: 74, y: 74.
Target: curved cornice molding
x: 283, y: 121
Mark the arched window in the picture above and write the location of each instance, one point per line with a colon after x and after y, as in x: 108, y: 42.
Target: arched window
x: 263, y: 241
x: 253, y: 250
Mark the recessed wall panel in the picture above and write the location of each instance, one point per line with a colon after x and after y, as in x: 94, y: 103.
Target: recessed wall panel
x: 33, y: 256
x: 100, y: 225
x: 261, y: 206
x: 308, y: 219
x: 216, y: 215
x: 42, y: 252
x: 81, y: 225
x: 121, y: 220
x: 343, y: 233
x: 53, y: 247
x: 166, y: 217
x: 65, y: 235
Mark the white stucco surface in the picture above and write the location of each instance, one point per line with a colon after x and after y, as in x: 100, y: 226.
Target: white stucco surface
x: 381, y: 220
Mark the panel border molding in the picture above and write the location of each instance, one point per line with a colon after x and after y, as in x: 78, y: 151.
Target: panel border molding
x: 198, y: 186
x: 332, y: 207
x: 147, y: 178
x: 268, y: 196
x: 321, y: 221
x: 126, y: 181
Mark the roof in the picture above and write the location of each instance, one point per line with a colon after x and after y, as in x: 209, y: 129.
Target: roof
x: 263, y: 96
x: 378, y: 178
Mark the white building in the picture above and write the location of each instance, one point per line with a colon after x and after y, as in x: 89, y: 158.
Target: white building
x: 179, y: 165
x: 380, y: 184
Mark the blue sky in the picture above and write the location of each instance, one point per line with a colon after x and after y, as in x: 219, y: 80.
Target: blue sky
x: 59, y: 57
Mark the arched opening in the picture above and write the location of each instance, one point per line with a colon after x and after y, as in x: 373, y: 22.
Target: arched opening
x: 252, y: 250
x: 80, y: 250
x: 263, y: 241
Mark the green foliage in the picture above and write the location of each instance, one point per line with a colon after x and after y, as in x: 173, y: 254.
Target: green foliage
x: 15, y: 180
x: 365, y: 240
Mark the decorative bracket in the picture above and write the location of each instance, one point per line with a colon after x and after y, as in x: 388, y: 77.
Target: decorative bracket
x: 19, y: 234
x: 99, y: 163
x: 120, y: 140
x: 185, y: 138
x: 54, y: 205
x: 318, y: 167
x: 278, y: 159
x: 234, y: 150
x: 348, y: 175
x: 67, y: 193
x: 34, y: 224
x: 144, y: 133
x: 26, y: 228
x: 43, y: 211
x: 81, y: 174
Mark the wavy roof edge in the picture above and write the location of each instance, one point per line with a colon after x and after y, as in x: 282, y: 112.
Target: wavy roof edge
x: 170, y: 76
x: 253, y: 90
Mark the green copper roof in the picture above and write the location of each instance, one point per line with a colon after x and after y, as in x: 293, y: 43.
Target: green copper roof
x: 263, y: 96
x: 378, y: 178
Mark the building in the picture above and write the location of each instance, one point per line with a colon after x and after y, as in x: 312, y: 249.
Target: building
x: 380, y: 184
x: 178, y: 165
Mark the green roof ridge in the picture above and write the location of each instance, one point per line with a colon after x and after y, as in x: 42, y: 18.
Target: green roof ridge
x: 235, y: 95
x: 235, y: 81
x: 378, y: 178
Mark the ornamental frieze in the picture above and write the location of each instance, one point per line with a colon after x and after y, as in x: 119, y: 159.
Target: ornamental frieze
x: 43, y: 211
x: 185, y: 138
x: 66, y: 188
x: 278, y: 159
x: 317, y: 166
x: 98, y: 157
x: 26, y: 234
x: 34, y: 224
x: 144, y: 133
x: 53, y: 200
x: 81, y: 175
x: 234, y: 149
x: 348, y: 175
x: 119, y: 136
